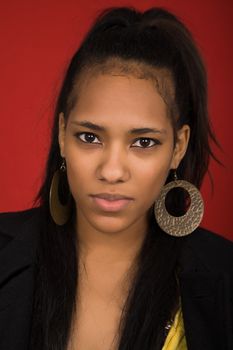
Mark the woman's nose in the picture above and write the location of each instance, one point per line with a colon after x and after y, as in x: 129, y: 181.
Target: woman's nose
x: 114, y: 167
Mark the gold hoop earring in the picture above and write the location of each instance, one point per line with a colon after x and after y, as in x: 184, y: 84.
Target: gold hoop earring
x: 179, y: 226
x: 59, y: 208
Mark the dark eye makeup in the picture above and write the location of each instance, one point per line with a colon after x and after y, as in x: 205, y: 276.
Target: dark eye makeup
x: 142, y: 142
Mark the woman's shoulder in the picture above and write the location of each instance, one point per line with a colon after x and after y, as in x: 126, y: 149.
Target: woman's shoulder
x: 13, y: 222
x: 212, y: 242
x: 213, y: 251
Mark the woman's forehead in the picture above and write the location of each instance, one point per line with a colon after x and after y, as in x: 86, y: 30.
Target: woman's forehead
x: 119, y: 95
x: 119, y: 104
x: 160, y: 78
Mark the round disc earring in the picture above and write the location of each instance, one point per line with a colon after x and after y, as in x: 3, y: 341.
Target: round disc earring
x: 179, y: 225
x: 59, y: 210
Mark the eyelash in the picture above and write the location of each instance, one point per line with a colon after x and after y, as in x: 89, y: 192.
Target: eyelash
x: 156, y: 142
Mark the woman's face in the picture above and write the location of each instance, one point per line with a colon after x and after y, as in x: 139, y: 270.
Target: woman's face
x: 118, y: 140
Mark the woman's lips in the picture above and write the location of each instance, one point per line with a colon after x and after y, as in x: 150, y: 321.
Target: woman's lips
x: 111, y: 205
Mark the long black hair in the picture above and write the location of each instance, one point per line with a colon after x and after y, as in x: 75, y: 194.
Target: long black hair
x: 154, y: 40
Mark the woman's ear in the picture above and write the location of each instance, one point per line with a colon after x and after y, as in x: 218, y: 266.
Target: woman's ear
x: 61, y: 134
x: 182, y: 140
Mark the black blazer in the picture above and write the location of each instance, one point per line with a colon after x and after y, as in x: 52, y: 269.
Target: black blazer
x: 206, y: 282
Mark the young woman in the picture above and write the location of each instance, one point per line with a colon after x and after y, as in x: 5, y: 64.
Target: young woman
x: 113, y: 257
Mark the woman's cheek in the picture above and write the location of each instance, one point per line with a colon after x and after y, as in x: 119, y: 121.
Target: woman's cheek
x: 155, y: 181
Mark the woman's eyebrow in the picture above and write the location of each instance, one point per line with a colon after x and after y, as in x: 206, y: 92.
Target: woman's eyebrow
x: 134, y: 131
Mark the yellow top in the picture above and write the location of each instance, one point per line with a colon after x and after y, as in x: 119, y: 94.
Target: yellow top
x: 176, y: 337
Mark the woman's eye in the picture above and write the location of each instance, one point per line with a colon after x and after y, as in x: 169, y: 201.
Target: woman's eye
x: 87, y: 137
x: 145, y: 142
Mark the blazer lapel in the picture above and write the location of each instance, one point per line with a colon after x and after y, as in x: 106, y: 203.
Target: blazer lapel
x: 17, y: 268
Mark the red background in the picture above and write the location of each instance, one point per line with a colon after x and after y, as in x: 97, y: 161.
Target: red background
x: 37, y: 40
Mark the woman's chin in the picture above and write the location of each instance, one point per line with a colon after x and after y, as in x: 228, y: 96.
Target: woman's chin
x: 106, y: 223
x: 110, y: 224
